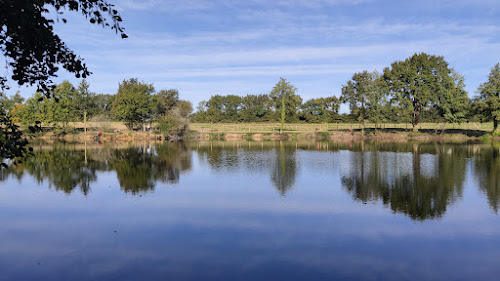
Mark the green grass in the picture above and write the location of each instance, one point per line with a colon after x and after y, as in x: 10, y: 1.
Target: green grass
x: 243, y: 128
x: 323, y: 134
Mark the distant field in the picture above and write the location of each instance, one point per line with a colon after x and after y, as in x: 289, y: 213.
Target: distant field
x: 296, y: 127
x: 304, y: 128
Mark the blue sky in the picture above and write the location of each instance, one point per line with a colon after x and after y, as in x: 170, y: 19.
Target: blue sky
x: 203, y: 47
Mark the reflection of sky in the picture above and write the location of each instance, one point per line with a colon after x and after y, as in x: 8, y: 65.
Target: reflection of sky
x: 234, y: 225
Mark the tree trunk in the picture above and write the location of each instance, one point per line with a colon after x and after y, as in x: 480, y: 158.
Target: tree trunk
x: 282, y: 113
x: 495, y: 125
x: 417, y: 108
x: 85, y: 122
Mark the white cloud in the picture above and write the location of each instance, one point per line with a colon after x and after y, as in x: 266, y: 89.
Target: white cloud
x: 187, y: 5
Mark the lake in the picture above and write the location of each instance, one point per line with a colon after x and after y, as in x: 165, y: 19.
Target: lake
x: 252, y: 211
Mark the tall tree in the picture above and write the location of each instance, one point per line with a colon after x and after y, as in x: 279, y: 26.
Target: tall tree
x: 365, y: 96
x: 418, y: 81
x: 133, y: 102
x: 489, y: 95
x: 63, y: 109
x: 84, y: 101
x: 285, y: 100
x: 454, y: 104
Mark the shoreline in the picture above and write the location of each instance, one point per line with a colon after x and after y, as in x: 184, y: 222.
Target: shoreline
x: 285, y: 136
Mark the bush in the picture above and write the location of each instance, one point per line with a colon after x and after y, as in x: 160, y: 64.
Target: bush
x: 173, y: 125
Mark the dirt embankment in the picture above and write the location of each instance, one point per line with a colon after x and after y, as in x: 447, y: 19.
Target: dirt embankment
x: 133, y: 136
x: 339, y: 136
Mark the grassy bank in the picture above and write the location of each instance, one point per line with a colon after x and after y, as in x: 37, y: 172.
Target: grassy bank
x: 229, y: 128
x: 116, y: 131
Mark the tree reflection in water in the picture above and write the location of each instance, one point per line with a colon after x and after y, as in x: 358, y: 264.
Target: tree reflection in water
x: 418, y: 185
x: 419, y: 180
x: 487, y: 170
x: 284, y: 169
x: 274, y: 158
x: 138, y: 168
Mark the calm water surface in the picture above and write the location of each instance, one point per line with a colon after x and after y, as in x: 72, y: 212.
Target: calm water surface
x: 252, y: 211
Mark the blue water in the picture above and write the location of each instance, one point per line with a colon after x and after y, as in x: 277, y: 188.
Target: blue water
x: 252, y: 211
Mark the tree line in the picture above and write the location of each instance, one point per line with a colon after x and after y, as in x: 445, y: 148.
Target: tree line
x: 422, y: 88
x: 135, y: 103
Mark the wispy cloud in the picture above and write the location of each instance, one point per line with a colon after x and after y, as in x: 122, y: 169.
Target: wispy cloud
x: 174, y: 5
x: 204, y: 47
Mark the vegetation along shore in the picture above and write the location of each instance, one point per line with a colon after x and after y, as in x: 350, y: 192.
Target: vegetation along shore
x: 418, y: 98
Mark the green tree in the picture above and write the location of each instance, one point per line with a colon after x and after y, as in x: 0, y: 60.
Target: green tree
x: 315, y: 111
x: 63, y: 108
x: 133, y: 102
x: 102, y: 105
x: 34, y: 52
x: 185, y: 108
x: 8, y: 103
x: 454, y: 104
x: 215, y: 109
x: 366, y: 97
x: 418, y: 81
x: 285, y: 101
x: 231, y: 106
x: 84, y: 100
x: 200, y: 115
x: 175, y: 124
x: 255, y: 108
x: 489, y: 96
x: 13, y: 145
x: 165, y: 101
x: 55, y: 111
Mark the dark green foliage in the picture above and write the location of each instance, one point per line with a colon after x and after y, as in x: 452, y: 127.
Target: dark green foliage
x: 172, y: 114
x: 102, y: 105
x: 33, y: 50
x: 165, y: 101
x: 7, y: 104
x: 366, y: 96
x: 454, y: 103
x: 285, y: 93
x: 12, y: 144
x: 133, y: 102
x: 68, y: 105
x: 320, y: 110
x: 488, y: 102
x: 420, y: 81
x: 255, y: 108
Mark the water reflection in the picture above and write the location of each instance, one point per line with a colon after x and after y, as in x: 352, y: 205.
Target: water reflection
x: 419, y: 180
x: 274, y: 158
x: 284, y: 169
x: 138, y: 168
x: 487, y: 170
x: 251, y: 211
x: 418, y: 185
